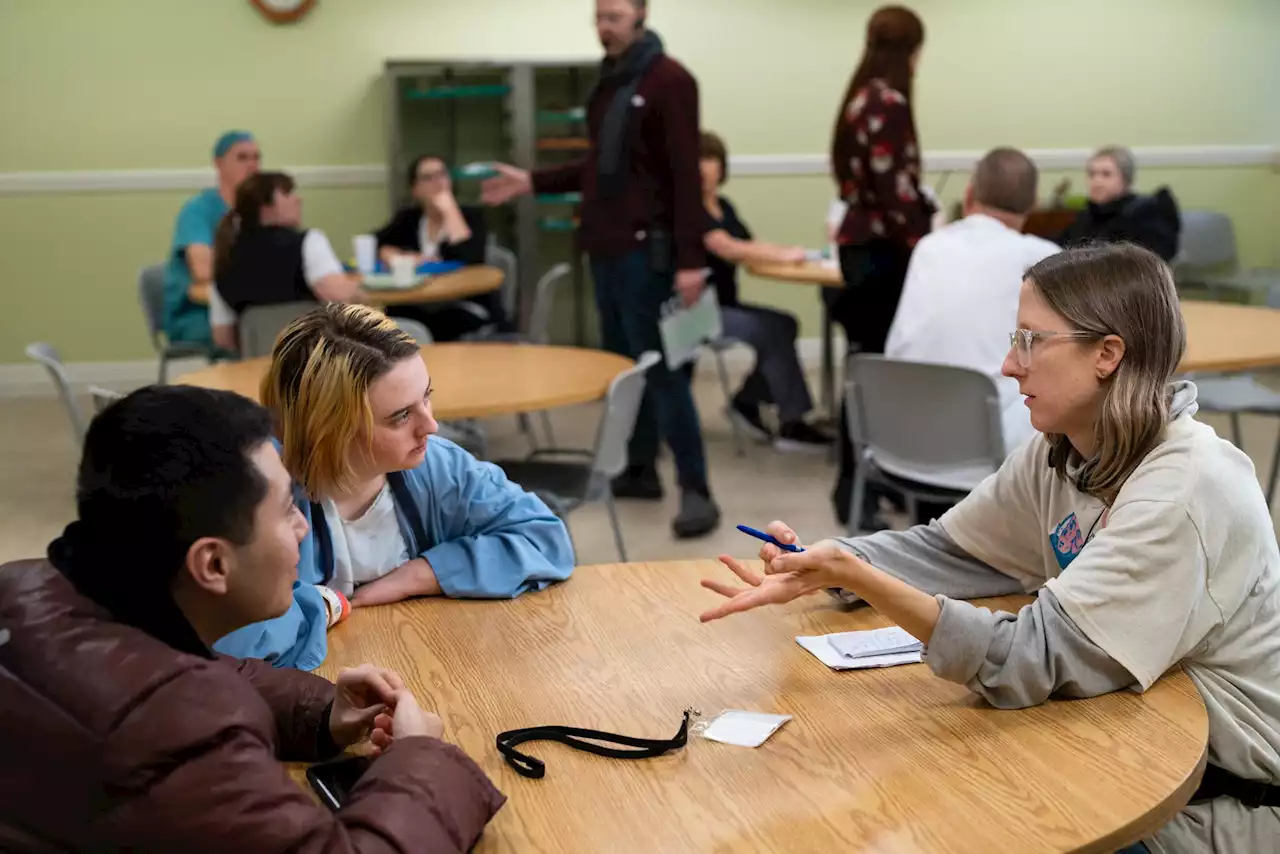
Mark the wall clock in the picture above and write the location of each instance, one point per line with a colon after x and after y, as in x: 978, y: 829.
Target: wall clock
x: 283, y: 11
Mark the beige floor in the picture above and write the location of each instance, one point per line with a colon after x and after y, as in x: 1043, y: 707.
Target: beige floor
x: 38, y: 457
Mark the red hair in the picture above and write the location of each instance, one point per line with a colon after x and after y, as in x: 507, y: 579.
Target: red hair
x: 894, y: 34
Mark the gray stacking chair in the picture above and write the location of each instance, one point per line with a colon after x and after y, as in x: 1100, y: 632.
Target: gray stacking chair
x: 151, y: 296
x: 47, y: 356
x: 258, y: 325
x: 718, y: 348
x: 1207, y: 257
x: 538, y: 331
x: 102, y: 397
x: 415, y: 328
x: 931, y: 432
x: 505, y: 260
x: 1242, y: 393
x: 567, y: 484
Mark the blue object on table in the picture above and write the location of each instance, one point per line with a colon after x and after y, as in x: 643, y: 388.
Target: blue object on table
x: 426, y: 268
x: 768, y: 538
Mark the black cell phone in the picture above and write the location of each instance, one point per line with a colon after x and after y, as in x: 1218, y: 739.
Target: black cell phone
x: 333, y: 781
x: 662, y: 253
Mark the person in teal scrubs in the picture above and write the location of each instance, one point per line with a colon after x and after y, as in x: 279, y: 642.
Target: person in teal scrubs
x: 236, y: 156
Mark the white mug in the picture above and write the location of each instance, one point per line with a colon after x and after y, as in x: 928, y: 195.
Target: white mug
x: 365, y: 247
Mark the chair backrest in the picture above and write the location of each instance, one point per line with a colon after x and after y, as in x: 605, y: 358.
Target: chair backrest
x: 621, y: 406
x: 932, y: 424
x: 46, y: 355
x: 102, y: 397
x: 258, y: 325
x: 417, y: 329
x: 538, y: 330
x: 1207, y: 241
x: 505, y: 260
x: 151, y: 295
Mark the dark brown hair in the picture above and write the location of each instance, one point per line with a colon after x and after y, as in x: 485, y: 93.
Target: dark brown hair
x: 1005, y: 179
x: 1127, y: 291
x: 712, y: 147
x: 894, y: 33
x: 257, y: 192
x: 412, y: 176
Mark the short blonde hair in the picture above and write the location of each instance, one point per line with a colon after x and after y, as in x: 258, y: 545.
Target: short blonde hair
x: 1124, y: 290
x: 317, y: 388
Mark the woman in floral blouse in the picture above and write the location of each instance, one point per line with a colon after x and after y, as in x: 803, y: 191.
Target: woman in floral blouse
x: 875, y: 158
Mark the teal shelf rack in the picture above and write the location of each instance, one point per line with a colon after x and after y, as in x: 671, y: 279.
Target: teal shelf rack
x: 448, y: 92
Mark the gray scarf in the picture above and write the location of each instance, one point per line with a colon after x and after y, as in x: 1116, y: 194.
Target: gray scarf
x: 626, y: 72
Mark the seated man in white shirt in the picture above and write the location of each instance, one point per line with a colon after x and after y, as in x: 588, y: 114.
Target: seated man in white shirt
x: 960, y: 300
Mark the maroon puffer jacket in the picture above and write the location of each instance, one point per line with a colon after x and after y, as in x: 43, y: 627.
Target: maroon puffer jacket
x: 113, y: 740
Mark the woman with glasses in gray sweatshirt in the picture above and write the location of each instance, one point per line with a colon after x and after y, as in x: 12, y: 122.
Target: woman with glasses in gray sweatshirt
x: 1145, y: 538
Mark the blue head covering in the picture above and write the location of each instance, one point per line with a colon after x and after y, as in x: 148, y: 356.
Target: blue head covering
x: 228, y: 139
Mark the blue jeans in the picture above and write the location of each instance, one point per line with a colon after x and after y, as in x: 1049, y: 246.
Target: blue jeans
x: 1135, y: 848
x: 629, y: 296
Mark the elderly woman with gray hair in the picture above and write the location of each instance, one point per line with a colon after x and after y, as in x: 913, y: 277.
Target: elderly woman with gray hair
x: 1116, y: 214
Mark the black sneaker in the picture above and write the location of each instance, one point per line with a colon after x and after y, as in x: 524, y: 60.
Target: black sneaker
x: 698, y: 515
x: 639, y: 482
x: 801, y: 437
x: 747, y: 416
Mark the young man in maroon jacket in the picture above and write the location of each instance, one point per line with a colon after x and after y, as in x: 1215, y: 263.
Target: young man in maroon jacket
x: 122, y: 730
x: 642, y: 227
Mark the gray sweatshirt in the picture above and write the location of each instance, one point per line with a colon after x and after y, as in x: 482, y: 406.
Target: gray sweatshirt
x: 1183, y: 567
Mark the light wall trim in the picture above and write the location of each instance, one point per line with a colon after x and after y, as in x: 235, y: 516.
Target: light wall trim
x: 27, y: 379
x: 375, y: 174
x: 160, y: 180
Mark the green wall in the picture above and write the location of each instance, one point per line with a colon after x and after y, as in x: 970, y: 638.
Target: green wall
x: 148, y: 84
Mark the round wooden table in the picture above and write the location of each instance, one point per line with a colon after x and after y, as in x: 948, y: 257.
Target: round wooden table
x: 1220, y: 336
x: 446, y: 287
x: 892, y: 760
x: 826, y: 274
x: 473, y: 380
x: 1226, y: 337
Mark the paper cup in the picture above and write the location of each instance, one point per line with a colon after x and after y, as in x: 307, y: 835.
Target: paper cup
x: 365, y: 247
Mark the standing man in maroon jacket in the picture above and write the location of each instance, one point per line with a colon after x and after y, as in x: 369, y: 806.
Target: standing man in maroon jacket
x: 642, y: 226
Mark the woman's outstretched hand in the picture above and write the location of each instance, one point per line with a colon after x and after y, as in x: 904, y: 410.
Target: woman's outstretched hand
x: 787, y: 576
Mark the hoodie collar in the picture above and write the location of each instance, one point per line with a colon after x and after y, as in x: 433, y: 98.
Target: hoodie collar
x: 131, y: 587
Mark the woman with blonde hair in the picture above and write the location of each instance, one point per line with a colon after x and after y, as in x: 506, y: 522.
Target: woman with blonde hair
x: 1145, y: 538
x: 393, y: 512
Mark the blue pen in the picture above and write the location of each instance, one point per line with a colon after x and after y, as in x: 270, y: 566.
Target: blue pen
x: 768, y: 538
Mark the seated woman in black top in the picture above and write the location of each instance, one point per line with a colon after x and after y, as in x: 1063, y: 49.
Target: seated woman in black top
x: 777, y: 378
x: 436, y: 228
x: 1116, y: 214
x: 262, y: 256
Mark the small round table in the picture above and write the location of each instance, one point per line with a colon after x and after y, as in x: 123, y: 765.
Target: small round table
x: 446, y: 287
x: 473, y: 380
x: 892, y: 760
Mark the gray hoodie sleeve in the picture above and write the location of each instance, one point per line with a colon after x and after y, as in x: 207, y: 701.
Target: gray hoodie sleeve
x: 1018, y: 660
x: 928, y: 559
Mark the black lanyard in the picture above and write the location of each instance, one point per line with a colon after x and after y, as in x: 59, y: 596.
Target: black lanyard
x: 645, y: 748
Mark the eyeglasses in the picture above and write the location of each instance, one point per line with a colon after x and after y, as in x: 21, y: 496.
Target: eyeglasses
x: 1020, y: 341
